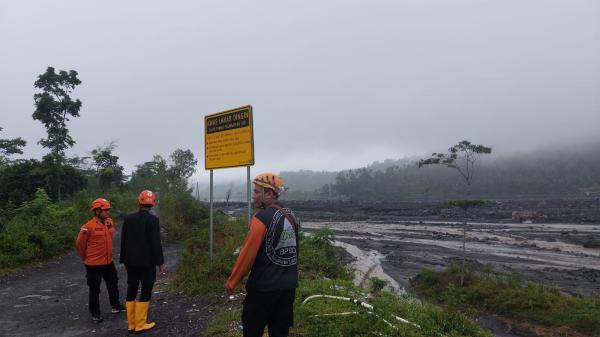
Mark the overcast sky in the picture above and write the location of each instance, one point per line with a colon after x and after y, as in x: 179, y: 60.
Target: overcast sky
x: 334, y: 84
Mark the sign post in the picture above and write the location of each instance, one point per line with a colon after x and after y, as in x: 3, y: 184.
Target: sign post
x: 248, y: 196
x: 228, y: 142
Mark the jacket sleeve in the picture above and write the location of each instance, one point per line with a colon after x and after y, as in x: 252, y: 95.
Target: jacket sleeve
x: 123, y: 250
x: 250, y: 247
x: 81, y: 241
x: 155, y: 244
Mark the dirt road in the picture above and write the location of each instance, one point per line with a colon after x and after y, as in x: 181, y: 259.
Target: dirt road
x: 51, y: 300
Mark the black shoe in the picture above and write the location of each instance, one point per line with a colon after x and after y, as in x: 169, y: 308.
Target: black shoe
x: 118, y: 309
x: 97, y: 318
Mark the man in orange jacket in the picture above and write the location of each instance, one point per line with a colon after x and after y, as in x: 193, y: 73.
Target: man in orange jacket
x: 94, y: 244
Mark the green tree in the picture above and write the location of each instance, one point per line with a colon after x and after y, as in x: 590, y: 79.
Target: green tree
x: 162, y: 175
x: 20, y: 180
x: 461, y: 157
x: 150, y: 175
x: 18, y: 183
x: 53, y: 107
x: 182, y: 167
x: 58, y: 171
x: 9, y: 147
x: 108, y: 170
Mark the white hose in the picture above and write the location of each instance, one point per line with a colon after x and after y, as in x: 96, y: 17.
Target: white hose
x: 362, y: 304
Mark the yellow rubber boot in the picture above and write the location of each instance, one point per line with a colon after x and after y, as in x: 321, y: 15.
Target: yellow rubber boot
x: 130, y: 305
x: 141, y: 315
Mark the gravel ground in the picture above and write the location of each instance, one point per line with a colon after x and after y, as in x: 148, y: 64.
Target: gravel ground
x: 50, y: 299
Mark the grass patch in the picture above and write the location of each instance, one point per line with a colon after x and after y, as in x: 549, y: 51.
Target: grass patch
x: 321, y: 272
x: 194, y: 273
x: 226, y: 323
x: 433, y: 320
x: 511, y: 296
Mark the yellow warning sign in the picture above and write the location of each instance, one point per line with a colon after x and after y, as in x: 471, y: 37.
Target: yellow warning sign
x: 228, y: 139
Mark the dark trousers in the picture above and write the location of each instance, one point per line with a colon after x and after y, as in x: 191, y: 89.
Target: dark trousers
x: 140, y: 275
x: 94, y: 276
x: 274, y: 308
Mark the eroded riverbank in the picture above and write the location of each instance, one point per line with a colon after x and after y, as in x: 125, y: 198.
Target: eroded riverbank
x: 537, y: 251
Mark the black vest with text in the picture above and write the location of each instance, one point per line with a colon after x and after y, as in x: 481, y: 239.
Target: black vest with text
x: 276, y: 264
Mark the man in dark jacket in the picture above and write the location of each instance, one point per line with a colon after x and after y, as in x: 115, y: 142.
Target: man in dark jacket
x: 270, y: 254
x: 141, y: 252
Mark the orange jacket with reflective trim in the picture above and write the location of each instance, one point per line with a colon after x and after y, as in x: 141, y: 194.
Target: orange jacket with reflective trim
x: 94, y: 242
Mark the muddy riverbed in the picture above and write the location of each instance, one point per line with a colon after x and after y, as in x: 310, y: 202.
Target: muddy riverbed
x: 560, y: 247
x: 541, y: 252
x: 394, y: 241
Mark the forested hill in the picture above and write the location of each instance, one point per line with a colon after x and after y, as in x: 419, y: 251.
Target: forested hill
x: 550, y: 173
x: 306, y: 180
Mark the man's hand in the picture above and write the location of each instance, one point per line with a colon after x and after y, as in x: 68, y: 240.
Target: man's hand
x: 230, y: 292
x: 162, y: 269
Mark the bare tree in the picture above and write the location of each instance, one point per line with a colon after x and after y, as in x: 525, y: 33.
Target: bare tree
x: 461, y: 157
x: 228, y: 194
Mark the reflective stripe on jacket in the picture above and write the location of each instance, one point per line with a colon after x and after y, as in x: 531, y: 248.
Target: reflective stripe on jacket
x: 94, y: 242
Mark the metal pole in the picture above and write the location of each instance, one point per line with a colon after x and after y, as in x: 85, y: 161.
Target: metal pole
x: 249, y: 196
x: 211, y: 216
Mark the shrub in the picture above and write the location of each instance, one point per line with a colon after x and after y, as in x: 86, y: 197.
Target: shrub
x: 39, y: 229
x: 319, y: 258
x: 181, y: 214
x: 195, y: 273
x: 512, y: 296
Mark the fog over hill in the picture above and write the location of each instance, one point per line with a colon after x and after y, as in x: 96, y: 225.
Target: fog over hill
x: 552, y: 172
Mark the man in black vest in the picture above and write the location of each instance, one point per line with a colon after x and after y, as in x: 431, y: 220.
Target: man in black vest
x: 270, y: 254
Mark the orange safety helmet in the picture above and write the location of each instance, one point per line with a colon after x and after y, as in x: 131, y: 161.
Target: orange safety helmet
x: 147, y: 198
x: 101, y: 203
x: 270, y: 180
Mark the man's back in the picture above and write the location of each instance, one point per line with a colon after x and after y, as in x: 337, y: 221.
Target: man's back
x: 140, y: 240
x: 276, y: 265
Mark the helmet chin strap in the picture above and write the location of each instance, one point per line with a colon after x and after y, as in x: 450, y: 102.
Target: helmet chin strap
x: 262, y: 198
x: 97, y: 213
x: 262, y: 204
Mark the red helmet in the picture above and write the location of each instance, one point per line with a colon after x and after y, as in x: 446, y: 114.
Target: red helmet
x: 147, y: 198
x: 101, y: 203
